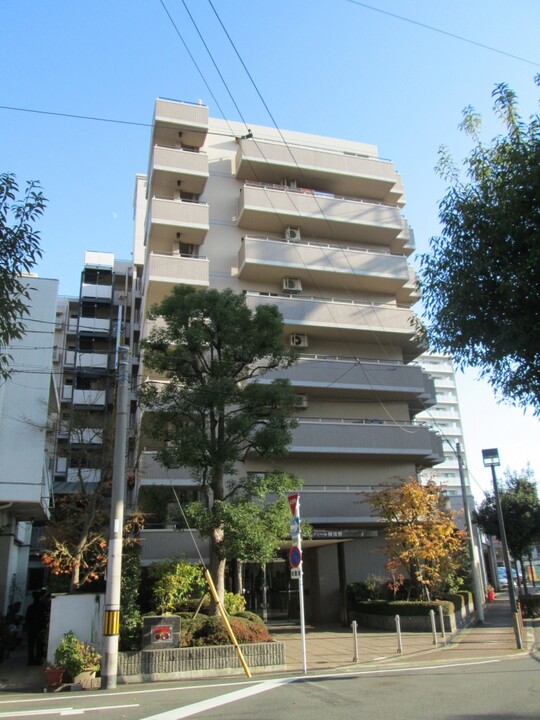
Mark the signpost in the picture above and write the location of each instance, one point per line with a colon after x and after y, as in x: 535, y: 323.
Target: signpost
x: 295, y: 560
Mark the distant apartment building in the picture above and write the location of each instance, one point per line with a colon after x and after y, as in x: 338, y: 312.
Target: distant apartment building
x: 445, y: 418
x: 29, y: 403
x: 314, y: 225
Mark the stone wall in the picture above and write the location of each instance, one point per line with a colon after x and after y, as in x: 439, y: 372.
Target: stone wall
x: 185, y: 663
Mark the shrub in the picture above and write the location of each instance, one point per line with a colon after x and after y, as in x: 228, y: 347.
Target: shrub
x: 402, y: 607
x: 530, y: 604
x: 253, y: 617
x: 210, y: 630
x: 234, y: 603
x: 75, y: 655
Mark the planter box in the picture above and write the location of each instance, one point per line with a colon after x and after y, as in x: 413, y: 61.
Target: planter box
x: 186, y: 663
x: 413, y: 623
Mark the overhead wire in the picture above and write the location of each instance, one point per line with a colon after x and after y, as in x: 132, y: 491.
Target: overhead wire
x: 434, y: 29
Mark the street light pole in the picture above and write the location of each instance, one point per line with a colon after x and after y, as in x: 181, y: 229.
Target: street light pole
x: 491, y: 459
x: 473, y: 550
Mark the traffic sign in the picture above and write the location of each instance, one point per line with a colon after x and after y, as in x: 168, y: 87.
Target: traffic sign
x: 295, y: 527
x: 296, y: 573
x: 293, y: 500
x: 295, y: 556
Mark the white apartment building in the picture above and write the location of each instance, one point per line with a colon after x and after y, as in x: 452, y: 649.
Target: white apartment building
x: 314, y: 225
x: 28, y: 401
x: 445, y: 418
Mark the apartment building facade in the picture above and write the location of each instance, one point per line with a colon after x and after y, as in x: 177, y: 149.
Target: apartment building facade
x: 29, y: 403
x: 315, y: 226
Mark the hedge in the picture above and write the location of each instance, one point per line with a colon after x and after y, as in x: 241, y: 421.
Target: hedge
x: 403, y: 607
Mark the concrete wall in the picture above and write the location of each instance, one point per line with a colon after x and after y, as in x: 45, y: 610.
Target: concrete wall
x: 81, y: 613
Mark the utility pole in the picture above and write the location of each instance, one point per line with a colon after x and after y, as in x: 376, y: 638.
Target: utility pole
x: 473, y: 550
x: 111, y: 625
x: 491, y: 459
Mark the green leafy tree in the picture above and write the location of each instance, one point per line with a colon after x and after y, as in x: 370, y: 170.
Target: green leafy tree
x: 480, y: 282
x: 521, y: 514
x: 174, y: 581
x: 211, y: 414
x: 19, y: 252
x: 422, y: 538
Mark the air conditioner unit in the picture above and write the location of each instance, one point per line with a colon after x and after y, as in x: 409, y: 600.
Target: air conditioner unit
x: 301, y: 402
x: 292, y: 233
x: 297, y: 340
x: 292, y: 285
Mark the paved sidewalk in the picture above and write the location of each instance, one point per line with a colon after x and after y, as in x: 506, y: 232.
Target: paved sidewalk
x: 332, y: 648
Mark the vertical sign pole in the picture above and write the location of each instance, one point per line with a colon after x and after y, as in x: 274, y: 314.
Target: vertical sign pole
x: 301, y: 590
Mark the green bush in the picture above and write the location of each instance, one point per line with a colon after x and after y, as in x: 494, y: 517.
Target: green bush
x: 402, y: 607
x: 210, y: 630
x: 75, y: 655
x: 253, y: 617
x: 530, y: 605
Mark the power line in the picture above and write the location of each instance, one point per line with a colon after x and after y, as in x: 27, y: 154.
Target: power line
x: 443, y: 32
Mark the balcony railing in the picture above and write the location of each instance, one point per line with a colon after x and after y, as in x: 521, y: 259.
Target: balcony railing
x: 167, y: 216
x: 157, y: 544
x: 268, y: 258
x: 169, y: 164
x: 172, y: 117
x: 338, y: 172
x: 330, y: 317
x: 336, y: 506
x: 91, y: 291
x: 168, y: 270
x: 89, y: 360
x: 151, y: 472
x: 352, y: 375
x: 272, y: 207
x: 100, y: 326
x: 89, y: 397
x: 365, y: 438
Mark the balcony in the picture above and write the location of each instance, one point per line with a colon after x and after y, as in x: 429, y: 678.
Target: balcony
x: 354, y: 378
x: 168, y: 165
x: 330, y: 319
x: 165, y: 270
x: 87, y: 361
x: 179, y: 122
x: 89, y: 398
x: 159, y: 544
x: 86, y: 436
x: 364, y: 438
x: 92, y: 291
x: 94, y: 325
x: 270, y: 208
x: 167, y: 217
x: 336, y: 172
x: 337, y: 506
x: 151, y: 472
x: 269, y: 260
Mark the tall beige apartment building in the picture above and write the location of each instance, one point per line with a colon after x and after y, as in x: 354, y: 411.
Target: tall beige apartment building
x: 315, y: 226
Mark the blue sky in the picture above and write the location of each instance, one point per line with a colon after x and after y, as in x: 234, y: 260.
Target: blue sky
x: 331, y: 67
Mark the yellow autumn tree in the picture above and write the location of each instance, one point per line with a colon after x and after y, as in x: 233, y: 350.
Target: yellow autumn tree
x: 421, y: 535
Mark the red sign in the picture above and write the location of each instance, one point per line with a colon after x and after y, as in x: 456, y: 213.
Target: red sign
x: 293, y: 501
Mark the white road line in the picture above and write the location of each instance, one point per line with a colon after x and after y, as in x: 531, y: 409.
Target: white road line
x: 195, y: 708
x: 62, y: 711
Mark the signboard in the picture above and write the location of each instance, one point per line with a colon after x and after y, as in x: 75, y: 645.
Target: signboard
x: 295, y: 527
x: 296, y: 573
x: 295, y: 556
x: 293, y: 501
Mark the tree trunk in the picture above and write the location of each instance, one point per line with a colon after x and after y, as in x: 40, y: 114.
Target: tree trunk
x: 217, y: 568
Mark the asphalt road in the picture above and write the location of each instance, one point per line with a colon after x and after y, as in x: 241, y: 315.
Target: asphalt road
x: 491, y: 689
